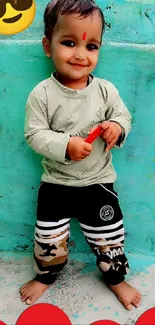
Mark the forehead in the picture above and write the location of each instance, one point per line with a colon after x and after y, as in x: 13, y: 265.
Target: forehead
x: 76, y: 24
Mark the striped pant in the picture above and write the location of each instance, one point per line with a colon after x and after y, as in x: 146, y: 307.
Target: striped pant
x: 97, y: 209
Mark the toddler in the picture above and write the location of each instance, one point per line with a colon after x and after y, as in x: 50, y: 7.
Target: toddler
x: 78, y: 177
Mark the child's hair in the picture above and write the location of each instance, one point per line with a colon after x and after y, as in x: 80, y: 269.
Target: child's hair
x: 55, y: 8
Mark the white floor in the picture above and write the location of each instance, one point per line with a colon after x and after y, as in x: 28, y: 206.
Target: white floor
x: 79, y: 291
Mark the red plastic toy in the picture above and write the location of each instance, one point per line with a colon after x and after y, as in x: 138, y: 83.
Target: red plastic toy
x: 94, y: 134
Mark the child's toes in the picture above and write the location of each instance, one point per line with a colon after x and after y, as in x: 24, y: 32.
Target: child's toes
x: 23, y: 294
x: 128, y: 306
x: 31, y: 299
x: 136, y: 301
x: 22, y: 288
x: 24, y: 297
x: 138, y: 295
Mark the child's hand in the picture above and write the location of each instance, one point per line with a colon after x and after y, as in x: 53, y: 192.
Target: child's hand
x: 78, y: 149
x: 111, y: 133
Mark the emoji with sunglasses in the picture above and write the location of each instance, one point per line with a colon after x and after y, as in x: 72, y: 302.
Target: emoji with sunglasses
x: 16, y: 15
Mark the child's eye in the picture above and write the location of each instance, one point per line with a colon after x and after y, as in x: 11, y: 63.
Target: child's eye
x: 91, y: 47
x: 68, y: 43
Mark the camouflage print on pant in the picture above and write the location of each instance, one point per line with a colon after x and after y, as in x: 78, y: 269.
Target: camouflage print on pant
x: 111, y: 261
x: 49, y: 258
x: 101, y: 220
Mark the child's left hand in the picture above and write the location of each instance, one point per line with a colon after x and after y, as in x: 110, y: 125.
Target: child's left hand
x: 111, y: 133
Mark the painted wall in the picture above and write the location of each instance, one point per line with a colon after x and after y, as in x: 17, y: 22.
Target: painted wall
x: 128, y: 60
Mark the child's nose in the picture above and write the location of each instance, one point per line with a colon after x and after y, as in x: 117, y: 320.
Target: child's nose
x: 80, y: 53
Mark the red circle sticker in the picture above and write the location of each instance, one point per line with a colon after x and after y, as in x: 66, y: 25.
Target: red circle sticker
x: 104, y: 322
x: 43, y: 314
x: 147, y: 318
x: 2, y: 323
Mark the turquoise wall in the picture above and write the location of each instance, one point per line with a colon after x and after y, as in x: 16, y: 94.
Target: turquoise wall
x: 128, y: 60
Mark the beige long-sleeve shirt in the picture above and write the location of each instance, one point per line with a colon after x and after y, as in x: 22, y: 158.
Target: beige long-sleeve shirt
x: 54, y: 113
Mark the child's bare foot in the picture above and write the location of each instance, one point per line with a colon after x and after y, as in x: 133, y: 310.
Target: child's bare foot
x: 126, y: 294
x: 31, y: 291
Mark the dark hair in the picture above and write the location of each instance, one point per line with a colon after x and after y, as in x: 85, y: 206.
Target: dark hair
x: 55, y: 8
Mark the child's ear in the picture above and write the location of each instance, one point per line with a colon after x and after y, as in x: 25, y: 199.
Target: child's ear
x: 47, y: 46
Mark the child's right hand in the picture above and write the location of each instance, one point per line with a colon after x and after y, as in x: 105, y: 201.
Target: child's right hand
x: 78, y: 149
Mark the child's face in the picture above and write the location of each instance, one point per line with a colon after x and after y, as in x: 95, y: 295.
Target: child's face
x: 75, y: 45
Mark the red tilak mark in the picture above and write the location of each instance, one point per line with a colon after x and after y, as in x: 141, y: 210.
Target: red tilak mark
x: 84, y: 36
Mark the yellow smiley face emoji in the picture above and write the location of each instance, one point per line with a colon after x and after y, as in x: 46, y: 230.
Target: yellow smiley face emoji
x: 16, y: 15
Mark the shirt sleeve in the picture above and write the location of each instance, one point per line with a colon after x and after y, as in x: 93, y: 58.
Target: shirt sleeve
x: 38, y: 134
x: 118, y: 112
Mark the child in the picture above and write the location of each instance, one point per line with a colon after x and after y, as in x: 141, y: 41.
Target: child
x: 78, y: 176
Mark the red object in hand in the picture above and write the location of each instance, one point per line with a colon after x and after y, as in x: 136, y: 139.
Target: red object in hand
x: 94, y: 134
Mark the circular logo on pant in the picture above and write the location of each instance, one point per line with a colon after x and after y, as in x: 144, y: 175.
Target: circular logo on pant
x: 106, y: 213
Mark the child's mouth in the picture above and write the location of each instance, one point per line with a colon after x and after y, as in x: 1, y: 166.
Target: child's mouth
x: 76, y: 65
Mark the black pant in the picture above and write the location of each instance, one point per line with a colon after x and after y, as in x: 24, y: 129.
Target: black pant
x: 97, y: 209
